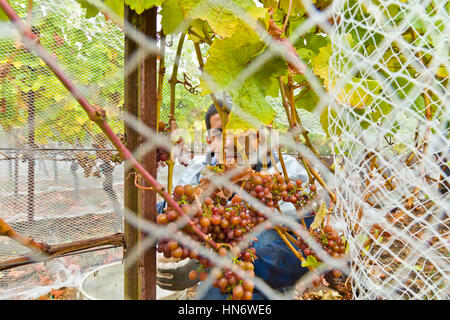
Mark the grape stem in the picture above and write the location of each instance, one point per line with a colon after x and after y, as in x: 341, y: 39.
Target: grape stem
x: 174, y: 79
x: 139, y: 186
x: 287, y: 17
x: 283, y: 235
x: 283, y: 165
x: 6, y: 230
x: 272, y: 159
x: 320, y: 180
x: 170, y: 165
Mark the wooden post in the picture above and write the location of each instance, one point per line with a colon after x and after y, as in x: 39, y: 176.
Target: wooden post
x: 140, y: 100
x: 131, y: 279
x: 148, y: 116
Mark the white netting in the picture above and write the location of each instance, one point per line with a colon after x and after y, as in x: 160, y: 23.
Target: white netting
x: 389, y: 73
x: 385, y: 72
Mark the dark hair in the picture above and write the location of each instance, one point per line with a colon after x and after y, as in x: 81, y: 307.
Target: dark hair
x: 212, y: 111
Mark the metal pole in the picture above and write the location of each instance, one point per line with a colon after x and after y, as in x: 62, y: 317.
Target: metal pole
x: 16, y: 176
x: 148, y: 113
x: 30, y: 156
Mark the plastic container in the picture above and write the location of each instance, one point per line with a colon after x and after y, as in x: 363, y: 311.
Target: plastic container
x: 106, y: 283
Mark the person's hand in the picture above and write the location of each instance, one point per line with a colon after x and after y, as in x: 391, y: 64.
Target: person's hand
x: 175, y: 276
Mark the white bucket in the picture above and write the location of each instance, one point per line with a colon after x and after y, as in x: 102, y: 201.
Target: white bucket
x: 106, y: 283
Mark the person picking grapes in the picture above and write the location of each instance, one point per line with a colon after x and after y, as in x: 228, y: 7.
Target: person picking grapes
x: 275, y: 263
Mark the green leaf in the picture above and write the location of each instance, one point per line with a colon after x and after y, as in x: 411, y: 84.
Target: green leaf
x: 442, y: 72
x: 296, y: 7
x: 326, y: 123
x: 140, y: 5
x: 320, y: 64
x: 312, y: 41
x: 171, y: 16
x: 227, y: 58
x: 311, y: 261
x: 116, y: 6
x: 199, y: 30
x: 267, y: 75
x: 222, y: 19
x: 270, y: 3
x: 360, y: 92
x: 91, y: 10
x: 249, y: 100
x: 319, y: 217
x: 253, y: 110
x: 308, y: 100
x: 305, y: 54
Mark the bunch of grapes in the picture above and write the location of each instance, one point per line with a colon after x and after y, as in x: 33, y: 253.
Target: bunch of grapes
x: 328, y: 238
x: 225, y: 224
x: 229, y: 282
x: 231, y: 222
x: 271, y: 188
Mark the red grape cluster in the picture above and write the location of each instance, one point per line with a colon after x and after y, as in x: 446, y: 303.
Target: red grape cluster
x: 329, y: 239
x: 225, y: 224
x: 271, y: 188
x: 230, y: 283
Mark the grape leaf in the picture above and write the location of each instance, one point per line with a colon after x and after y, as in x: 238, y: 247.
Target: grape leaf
x: 359, y: 92
x: 326, y: 123
x: 140, y: 5
x: 250, y: 100
x: 267, y: 75
x: 320, y: 64
x: 171, y: 16
x: 296, y: 7
x: 270, y: 3
x: 442, y: 72
x: 227, y: 58
x: 224, y: 20
x: 91, y: 10
x: 199, y: 30
x: 311, y: 261
x: 116, y: 6
x: 319, y: 217
x: 308, y: 99
x: 305, y: 54
x: 312, y: 41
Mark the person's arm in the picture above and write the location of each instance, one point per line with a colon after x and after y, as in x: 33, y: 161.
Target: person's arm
x: 174, y: 275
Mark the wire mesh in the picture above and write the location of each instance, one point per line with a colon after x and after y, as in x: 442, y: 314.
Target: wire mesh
x: 393, y: 55
x: 376, y: 82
